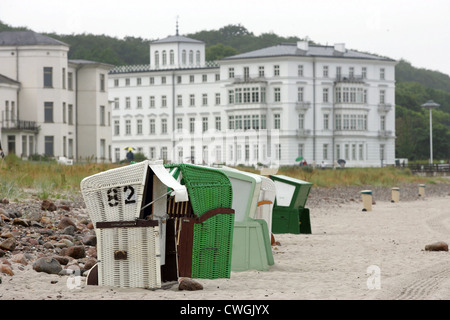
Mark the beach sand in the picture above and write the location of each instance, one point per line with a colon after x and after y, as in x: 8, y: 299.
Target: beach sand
x: 350, y: 255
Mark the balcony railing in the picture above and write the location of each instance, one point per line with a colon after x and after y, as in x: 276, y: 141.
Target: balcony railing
x: 302, y: 105
x: 385, y: 133
x: 384, y: 107
x: 20, y: 125
x: 350, y: 78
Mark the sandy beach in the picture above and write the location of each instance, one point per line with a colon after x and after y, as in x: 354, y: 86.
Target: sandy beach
x: 350, y: 255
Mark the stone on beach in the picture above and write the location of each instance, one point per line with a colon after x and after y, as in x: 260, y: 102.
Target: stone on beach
x: 48, y: 265
x: 437, y: 246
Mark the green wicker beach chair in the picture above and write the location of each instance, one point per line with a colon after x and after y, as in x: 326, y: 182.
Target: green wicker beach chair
x: 205, y: 226
x: 289, y: 212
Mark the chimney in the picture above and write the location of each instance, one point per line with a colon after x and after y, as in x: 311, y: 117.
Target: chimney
x: 302, y: 45
x: 340, y: 47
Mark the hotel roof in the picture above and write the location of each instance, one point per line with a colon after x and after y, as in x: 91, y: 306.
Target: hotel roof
x: 291, y: 49
x: 27, y: 38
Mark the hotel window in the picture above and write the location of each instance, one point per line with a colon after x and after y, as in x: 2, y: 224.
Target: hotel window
x: 127, y: 81
x: 116, y: 103
x: 238, y: 124
x: 179, y: 125
x: 217, y: 99
x: 382, y: 97
x: 152, y: 80
x: 246, y: 73
x: 351, y: 72
x: 353, y: 151
x: 156, y: 58
x: 338, y: 151
x: 382, y: 74
x: 204, y: 78
x: 255, y: 121
x: 163, y: 80
x: 361, y: 152
x: 116, y: 127
x: 382, y: 123
x: 301, y: 121
x: 205, y: 154
x: 191, y: 57
x: 152, y: 102
x: 325, y: 151
x: 139, y: 126
x: 191, y: 125
x: 204, y: 124
x: 164, y: 126
x: 64, y: 79
x: 48, y: 111
x: 127, y: 103
x: 102, y: 82
x: 102, y: 115
x: 277, y: 94
x: 263, y: 121
x: 64, y: 112
x: 325, y: 71
x: 163, y: 101
x: 204, y: 99
x: 247, y: 122
x: 139, y: 102
x: 192, y: 100
x: 300, y: 149
x: 117, y: 154
x: 230, y: 73
x: 218, y: 124
x: 277, y: 121
x: 231, y: 122
x: 152, y: 126
x: 152, y: 152
x: 197, y: 57
x: 49, y: 145
x: 364, y: 72
x: 138, y: 81
x: 276, y: 70
x: 300, y: 70
x: 230, y: 96
x: 191, y: 79
x: 325, y: 92
x: 70, y: 81
x: 338, y: 124
x: 192, y: 154
x: 70, y: 113
x: 48, y: 77
x: 164, y: 58
x: 179, y: 79
x: 347, y: 150
x: 261, y: 71
x: 278, y: 151
x: 179, y: 100
x: 164, y: 153
x: 326, y: 120
x: 217, y: 76
x: 127, y: 127
x: 300, y: 94
x: 183, y: 56
x: 172, y: 57
x: 338, y: 72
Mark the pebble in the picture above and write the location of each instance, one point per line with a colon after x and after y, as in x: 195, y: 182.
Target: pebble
x: 8, y: 244
x: 76, y: 252
x: 48, y: 265
x: 437, y: 246
x: 6, y: 270
x: 65, y: 222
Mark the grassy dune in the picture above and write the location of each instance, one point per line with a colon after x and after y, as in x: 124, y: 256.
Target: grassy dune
x: 51, y: 180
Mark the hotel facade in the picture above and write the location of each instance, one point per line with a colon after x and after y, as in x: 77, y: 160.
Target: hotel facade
x: 265, y: 107
x: 50, y: 105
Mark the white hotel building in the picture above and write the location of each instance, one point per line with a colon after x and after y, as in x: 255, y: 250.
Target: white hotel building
x: 268, y: 106
x: 49, y: 104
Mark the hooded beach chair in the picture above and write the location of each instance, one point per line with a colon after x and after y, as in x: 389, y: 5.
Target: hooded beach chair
x: 251, y: 241
x: 204, y: 225
x: 127, y: 207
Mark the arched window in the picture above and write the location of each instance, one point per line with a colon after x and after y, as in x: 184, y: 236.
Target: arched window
x: 183, y: 57
x: 156, y: 58
x: 172, y: 57
x: 191, y: 57
x: 197, y: 57
x: 164, y: 58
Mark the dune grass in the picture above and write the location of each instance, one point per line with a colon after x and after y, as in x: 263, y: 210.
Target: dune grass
x: 51, y: 180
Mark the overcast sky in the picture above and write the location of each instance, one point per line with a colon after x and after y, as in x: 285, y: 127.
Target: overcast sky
x: 415, y: 30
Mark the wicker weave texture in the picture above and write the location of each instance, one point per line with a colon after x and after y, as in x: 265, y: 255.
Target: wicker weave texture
x: 116, y: 194
x: 141, y: 267
x: 209, y: 189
